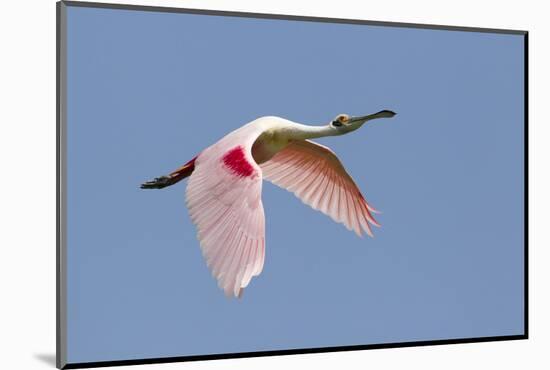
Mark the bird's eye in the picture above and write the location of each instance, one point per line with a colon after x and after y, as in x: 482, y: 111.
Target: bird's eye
x: 343, y: 119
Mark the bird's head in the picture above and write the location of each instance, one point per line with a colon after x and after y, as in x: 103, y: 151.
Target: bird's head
x: 344, y: 123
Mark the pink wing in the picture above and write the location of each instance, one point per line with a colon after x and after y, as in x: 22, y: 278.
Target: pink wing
x: 315, y: 175
x: 224, y: 201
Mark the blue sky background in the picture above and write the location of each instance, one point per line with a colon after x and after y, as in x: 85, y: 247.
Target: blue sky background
x: 147, y: 91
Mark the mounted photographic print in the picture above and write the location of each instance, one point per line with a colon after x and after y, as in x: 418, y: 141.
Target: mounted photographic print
x: 235, y: 184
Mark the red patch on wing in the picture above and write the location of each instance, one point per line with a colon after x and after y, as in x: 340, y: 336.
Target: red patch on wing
x: 235, y: 159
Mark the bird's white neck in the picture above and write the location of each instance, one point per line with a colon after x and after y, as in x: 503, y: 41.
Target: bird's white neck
x: 301, y: 132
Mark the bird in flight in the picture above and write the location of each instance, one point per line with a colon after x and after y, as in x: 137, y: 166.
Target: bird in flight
x: 224, y: 191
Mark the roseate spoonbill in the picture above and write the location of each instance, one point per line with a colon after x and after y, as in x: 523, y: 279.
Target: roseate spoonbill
x: 225, y: 186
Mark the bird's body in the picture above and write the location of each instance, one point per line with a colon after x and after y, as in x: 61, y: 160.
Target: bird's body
x: 225, y: 182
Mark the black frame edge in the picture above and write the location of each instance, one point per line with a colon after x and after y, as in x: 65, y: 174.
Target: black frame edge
x: 285, y: 352
x: 61, y: 270
x: 526, y: 181
x: 288, y: 17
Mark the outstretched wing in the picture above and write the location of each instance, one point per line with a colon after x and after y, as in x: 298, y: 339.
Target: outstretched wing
x: 224, y: 201
x: 315, y: 175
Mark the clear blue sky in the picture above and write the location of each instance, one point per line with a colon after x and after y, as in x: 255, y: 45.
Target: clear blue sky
x: 147, y: 91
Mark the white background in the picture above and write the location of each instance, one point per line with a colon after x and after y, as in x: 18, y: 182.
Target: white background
x: 27, y: 182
